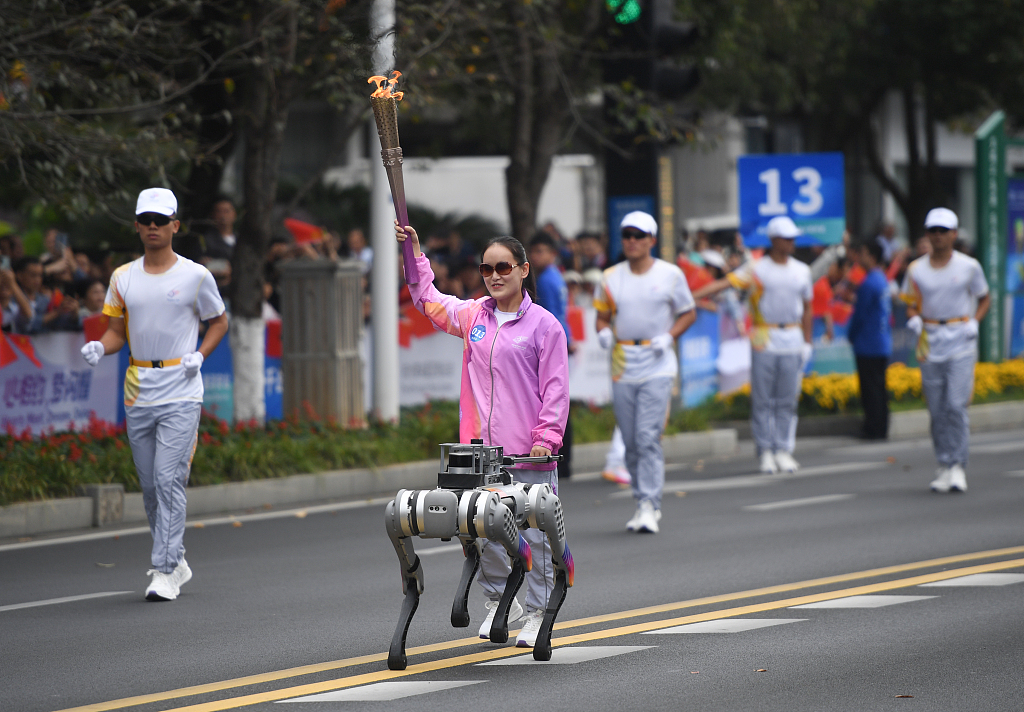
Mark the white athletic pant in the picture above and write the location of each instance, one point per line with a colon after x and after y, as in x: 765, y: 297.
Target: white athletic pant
x: 775, y: 381
x: 948, y: 387
x: 641, y: 410
x: 163, y: 440
x: 616, y: 456
x: 494, y: 566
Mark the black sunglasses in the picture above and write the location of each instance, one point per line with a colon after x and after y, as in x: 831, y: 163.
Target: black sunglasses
x: 938, y: 229
x: 633, y: 235
x: 502, y: 268
x: 153, y: 219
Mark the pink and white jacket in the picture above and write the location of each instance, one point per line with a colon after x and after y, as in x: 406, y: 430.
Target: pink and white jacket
x: 515, y: 378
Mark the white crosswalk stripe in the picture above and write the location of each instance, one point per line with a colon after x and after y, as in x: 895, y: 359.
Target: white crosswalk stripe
x: 725, y: 625
x: 864, y: 602
x: 979, y: 580
x: 572, y: 655
x: 384, y: 691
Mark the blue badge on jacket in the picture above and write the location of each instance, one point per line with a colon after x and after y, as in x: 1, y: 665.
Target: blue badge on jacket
x: 479, y: 331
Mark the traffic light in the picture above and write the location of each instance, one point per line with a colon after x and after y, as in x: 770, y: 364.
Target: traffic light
x: 644, y: 42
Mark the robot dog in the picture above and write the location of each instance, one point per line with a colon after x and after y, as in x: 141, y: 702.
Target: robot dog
x: 475, y: 497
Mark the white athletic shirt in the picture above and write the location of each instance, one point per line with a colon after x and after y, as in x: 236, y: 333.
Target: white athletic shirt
x: 642, y: 307
x: 502, y: 317
x: 948, y: 292
x: 777, y: 296
x: 161, y: 318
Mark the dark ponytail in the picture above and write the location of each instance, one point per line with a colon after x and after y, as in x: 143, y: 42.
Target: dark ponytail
x: 519, y: 254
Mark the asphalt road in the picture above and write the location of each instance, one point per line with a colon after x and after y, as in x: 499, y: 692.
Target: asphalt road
x: 287, y: 605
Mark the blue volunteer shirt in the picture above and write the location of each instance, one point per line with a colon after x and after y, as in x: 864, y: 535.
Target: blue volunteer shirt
x: 870, y: 332
x: 553, y: 296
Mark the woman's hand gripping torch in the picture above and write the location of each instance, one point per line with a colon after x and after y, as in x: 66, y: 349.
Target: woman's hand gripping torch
x: 385, y: 111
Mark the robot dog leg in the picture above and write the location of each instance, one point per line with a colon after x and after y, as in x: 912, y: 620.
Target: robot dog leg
x: 544, y: 512
x: 495, y: 521
x: 424, y: 513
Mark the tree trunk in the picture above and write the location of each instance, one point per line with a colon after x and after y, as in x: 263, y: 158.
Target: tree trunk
x: 539, y: 110
x: 264, y: 115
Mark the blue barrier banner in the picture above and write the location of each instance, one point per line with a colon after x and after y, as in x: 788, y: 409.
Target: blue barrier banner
x: 1014, y: 278
x: 807, y: 187
x: 698, y: 355
x: 835, y: 356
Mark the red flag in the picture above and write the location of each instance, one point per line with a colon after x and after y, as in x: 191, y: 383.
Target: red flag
x: 303, y: 232
x: 24, y: 344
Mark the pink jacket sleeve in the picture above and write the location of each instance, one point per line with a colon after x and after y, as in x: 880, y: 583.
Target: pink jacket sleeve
x: 442, y: 309
x: 553, y: 383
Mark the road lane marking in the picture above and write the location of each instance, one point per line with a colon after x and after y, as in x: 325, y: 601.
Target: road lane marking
x: 201, y: 523
x: 65, y: 599
x: 262, y: 678
x: 726, y: 625
x: 997, y: 448
x: 571, y: 656
x: 385, y: 691
x: 760, y: 480
x: 864, y: 602
x: 981, y: 580
x: 803, y: 502
x: 494, y: 654
x: 1014, y: 473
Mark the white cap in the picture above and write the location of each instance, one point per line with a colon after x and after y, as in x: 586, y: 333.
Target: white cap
x: 593, y: 276
x: 713, y: 258
x: 641, y: 221
x: 941, y: 217
x: 571, y: 276
x: 156, y: 200
x: 782, y: 226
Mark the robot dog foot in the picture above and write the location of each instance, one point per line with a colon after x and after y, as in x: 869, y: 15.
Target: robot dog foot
x: 542, y: 648
x: 396, y: 654
x: 499, y: 628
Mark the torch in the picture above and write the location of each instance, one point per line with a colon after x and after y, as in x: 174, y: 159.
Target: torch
x: 385, y: 111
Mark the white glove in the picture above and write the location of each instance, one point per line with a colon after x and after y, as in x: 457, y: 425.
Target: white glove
x: 605, y: 337
x: 192, y: 362
x: 662, y: 342
x: 92, y: 352
x: 971, y: 328
x: 806, y: 352
x: 915, y: 324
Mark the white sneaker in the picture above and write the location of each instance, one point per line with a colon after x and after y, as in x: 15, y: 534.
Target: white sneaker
x: 957, y: 479
x: 515, y: 611
x: 527, y: 637
x: 162, y: 587
x: 182, y: 573
x: 785, y: 462
x: 768, y: 465
x: 942, y: 482
x: 618, y: 475
x: 648, y: 518
x: 634, y: 522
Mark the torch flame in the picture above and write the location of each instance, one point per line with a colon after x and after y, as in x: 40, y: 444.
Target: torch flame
x: 385, y: 85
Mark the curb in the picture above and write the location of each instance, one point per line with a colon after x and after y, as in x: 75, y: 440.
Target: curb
x: 904, y: 424
x: 56, y: 515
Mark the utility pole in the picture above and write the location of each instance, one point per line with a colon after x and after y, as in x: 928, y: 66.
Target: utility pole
x: 384, y: 275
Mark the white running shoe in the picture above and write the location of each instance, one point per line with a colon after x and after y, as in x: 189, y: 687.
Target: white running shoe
x: 768, y: 465
x: 647, y: 521
x: 785, y: 462
x: 957, y: 479
x: 634, y: 522
x: 515, y: 611
x: 162, y: 587
x: 527, y: 637
x: 182, y: 573
x: 618, y: 475
x: 942, y: 481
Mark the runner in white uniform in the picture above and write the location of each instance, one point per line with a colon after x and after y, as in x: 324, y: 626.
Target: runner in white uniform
x: 940, y: 290
x: 155, y: 304
x: 650, y: 305
x: 780, y: 340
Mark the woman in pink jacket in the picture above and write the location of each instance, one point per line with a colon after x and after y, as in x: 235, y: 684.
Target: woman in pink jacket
x: 515, y: 393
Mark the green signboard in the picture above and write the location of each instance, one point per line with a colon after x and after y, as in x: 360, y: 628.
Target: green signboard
x: 990, y: 179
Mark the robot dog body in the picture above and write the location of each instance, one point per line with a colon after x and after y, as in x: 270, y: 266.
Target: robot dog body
x: 476, y: 498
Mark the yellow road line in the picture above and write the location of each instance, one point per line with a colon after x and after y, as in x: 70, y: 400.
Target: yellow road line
x: 327, y: 686
x: 591, y: 620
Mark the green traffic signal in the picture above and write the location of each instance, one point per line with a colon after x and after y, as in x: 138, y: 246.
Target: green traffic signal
x: 626, y: 11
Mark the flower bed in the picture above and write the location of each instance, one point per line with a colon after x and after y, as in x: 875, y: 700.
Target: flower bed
x: 840, y: 392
